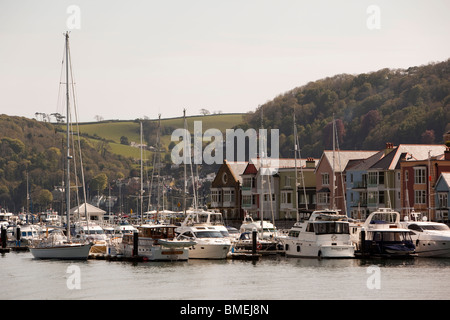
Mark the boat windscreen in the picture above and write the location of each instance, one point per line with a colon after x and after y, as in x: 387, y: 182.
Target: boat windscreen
x: 331, y: 227
x: 208, y: 234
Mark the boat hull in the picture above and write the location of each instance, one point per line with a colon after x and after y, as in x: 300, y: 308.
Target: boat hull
x: 313, y: 250
x: 433, y: 249
x: 209, y: 251
x: 64, y: 252
x: 159, y: 250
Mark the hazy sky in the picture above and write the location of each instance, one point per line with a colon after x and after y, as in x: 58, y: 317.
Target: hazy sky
x: 140, y: 58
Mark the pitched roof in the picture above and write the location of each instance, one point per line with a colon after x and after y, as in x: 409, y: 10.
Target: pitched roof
x: 445, y: 176
x: 365, y: 164
x: 236, y: 168
x: 342, y: 157
x: 413, y: 152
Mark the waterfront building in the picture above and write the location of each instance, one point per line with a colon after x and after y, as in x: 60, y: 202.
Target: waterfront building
x: 330, y: 177
x: 380, y: 182
x: 226, y: 190
x: 300, y: 198
x: 421, y: 167
x: 442, y: 195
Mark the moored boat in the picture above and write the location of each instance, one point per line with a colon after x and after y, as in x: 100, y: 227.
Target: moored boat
x: 155, y: 242
x: 431, y: 239
x: 207, y: 230
x: 325, y: 235
x: 382, y: 235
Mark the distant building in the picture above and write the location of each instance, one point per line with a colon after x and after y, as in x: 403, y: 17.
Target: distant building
x: 421, y: 167
x: 226, y: 190
x: 330, y: 177
x: 442, y: 189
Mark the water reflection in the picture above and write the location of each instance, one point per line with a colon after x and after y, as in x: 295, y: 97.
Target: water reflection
x: 274, y: 277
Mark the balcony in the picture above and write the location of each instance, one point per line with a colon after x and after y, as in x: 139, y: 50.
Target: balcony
x: 359, y: 185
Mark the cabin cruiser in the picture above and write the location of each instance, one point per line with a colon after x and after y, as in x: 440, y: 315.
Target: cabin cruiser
x: 432, y: 239
x: 5, y: 218
x: 325, y: 235
x: 267, y: 231
x: 92, y: 232
x: 382, y: 235
x: 122, y: 229
x: 28, y: 233
x: 208, y: 231
x: 156, y: 242
x: 267, y: 235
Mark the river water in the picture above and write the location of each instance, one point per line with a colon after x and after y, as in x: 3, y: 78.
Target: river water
x: 270, y: 278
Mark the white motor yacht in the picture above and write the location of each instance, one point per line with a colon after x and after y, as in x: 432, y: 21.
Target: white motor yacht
x: 208, y: 231
x: 325, y: 235
x: 432, y: 239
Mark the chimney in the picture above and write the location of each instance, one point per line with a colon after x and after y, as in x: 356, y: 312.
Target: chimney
x: 447, y: 154
x: 389, y: 147
x: 310, y: 163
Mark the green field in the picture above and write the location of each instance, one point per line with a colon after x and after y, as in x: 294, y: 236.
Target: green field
x: 113, y: 130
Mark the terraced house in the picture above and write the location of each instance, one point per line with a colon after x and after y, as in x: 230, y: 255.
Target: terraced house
x: 395, y: 177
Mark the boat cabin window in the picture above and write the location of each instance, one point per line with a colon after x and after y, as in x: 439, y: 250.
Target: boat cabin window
x: 215, y: 218
x: 440, y: 227
x: 414, y: 227
x: 310, y: 227
x: 383, y: 218
x: 294, y: 233
x: 391, y: 236
x: 225, y: 233
x: 208, y: 234
x: 331, y: 227
x: 187, y: 235
x: 157, y: 233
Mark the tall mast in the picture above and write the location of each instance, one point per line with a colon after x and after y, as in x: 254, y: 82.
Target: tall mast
x: 158, y: 170
x: 68, y: 139
x: 142, y: 182
x: 184, y: 163
x: 333, y: 204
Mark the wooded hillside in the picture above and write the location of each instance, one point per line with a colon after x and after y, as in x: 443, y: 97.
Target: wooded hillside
x: 398, y: 106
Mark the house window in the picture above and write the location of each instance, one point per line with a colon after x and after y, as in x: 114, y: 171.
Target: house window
x: 216, y: 196
x: 287, y: 181
x: 286, y: 197
x: 325, y: 179
x: 419, y: 176
x: 372, y: 198
x: 247, y: 200
x: 420, y: 197
x: 303, y: 199
x: 443, y: 200
x: 228, y: 195
x: 323, y: 198
x: 267, y: 197
x: 247, y: 183
x: 373, y: 178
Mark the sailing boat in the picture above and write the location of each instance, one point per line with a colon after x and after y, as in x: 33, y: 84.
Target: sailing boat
x: 56, y: 245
